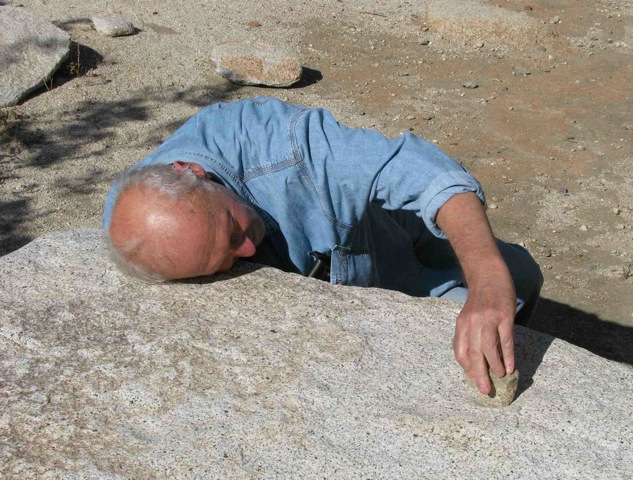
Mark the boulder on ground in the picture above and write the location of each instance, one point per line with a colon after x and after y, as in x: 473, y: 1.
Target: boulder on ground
x: 473, y: 23
x: 263, y: 374
x: 31, y: 51
x: 113, y: 26
x: 268, y: 65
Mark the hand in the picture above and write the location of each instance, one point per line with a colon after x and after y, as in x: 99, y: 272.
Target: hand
x: 483, y: 334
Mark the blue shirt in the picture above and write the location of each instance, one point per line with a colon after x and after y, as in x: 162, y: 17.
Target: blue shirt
x: 320, y: 186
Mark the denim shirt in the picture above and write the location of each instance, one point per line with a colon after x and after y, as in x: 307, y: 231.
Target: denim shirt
x: 320, y: 186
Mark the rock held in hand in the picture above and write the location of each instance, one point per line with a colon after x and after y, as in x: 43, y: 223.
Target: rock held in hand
x: 503, y: 391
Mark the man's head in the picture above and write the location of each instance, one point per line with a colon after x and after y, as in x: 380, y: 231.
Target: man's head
x: 172, y: 221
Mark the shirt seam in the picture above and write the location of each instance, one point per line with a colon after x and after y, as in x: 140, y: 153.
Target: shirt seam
x: 304, y: 171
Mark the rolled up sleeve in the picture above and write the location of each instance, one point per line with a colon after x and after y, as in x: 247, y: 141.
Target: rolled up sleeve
x: 421, y: 178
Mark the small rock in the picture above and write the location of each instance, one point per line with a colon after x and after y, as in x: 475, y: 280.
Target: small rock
x: 425, y: 41
x: 583, y: 228
x: 616, y: 211
x: 503, y: 391
x: 244, y: 64
x: 493, y: 206
x: 469, y: 84
x: 555, y: 20
x: 410, y: 117
x: 521, y: 71
x: 113, y: 26
x: 253, y: 23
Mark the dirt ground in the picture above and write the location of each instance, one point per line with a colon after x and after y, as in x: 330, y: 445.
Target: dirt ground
x: 547, y: 128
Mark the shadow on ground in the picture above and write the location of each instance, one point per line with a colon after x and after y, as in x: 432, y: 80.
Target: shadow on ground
x: 55, y: 137
x: 586, y: 330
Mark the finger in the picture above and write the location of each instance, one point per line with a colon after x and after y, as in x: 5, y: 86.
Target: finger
x: 506, y: 340
x: 490, y: 349
x: 479, y: 372
x: 460, y: 347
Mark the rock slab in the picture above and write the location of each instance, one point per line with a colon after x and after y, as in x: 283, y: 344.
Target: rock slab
x: 262, y: 374
x: 268, y: 65
x: 31, y: 51
x: 473, y: 23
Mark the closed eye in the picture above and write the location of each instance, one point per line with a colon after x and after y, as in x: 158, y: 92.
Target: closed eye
x: 236, y: 233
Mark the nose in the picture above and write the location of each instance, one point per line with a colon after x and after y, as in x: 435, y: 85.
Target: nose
x: 246, y: 249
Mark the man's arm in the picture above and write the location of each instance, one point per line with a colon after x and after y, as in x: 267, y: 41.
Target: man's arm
x: 483, y: 334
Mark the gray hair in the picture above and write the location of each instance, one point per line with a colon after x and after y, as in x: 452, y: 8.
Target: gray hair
x: 167, y: 181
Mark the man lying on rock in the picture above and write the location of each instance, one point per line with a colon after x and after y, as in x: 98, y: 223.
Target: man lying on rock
x: 290, y: 187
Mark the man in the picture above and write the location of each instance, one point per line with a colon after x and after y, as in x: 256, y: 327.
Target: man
x: 289, y: 187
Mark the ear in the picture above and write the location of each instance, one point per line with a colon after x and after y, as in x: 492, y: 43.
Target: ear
x: 194, y: 167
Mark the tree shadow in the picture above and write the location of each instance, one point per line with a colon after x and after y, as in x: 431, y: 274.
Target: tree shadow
x: 586, y: 330
x: 58, y: 136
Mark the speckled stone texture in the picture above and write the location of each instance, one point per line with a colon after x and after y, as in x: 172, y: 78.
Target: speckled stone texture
x: 261, y: 374
x: 473, y: 23
x: 31, y: 51
x: 504, y: 390
x: 113, y: 26
x: 269, y: 65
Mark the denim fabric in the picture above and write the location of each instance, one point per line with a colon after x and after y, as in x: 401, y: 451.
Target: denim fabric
x: 368, y: 201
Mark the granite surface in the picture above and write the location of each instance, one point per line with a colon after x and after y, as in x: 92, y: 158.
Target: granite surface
x: 261, y: 374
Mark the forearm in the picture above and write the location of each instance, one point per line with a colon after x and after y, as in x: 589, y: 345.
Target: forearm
x: 483, y: 333
x: 464, y: 222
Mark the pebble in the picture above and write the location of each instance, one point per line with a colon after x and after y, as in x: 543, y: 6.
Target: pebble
x: 113, y: 26
x: 425, y: 41
x: 616, y: 211
x: 555, y: 20
x: 493, y: 206
x: 583, y: 228
x: 470, y: 84
x: 521, y: 71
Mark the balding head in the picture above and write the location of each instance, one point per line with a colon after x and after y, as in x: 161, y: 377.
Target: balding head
x: 156, y: 234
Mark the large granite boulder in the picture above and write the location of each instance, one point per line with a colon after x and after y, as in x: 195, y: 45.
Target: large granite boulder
x: 31, y: 51
x: 261, y: 374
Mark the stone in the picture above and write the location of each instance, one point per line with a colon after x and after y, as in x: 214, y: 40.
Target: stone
x: 31, y: 51
x: 264, y: 374
x: 269, y: 65
x: 504, y: 390
x: 113, y: 26
x: 470, y: 22
x: 469, y: 84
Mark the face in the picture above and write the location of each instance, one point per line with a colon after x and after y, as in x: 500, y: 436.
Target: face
x: 189, y: 238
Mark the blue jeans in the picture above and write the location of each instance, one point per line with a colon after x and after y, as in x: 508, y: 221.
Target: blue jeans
x: 436, y: 253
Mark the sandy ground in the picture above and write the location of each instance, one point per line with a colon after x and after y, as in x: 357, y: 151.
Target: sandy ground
x: 548, y: 129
